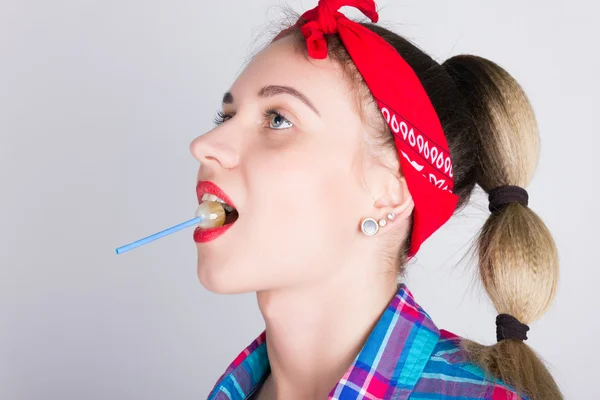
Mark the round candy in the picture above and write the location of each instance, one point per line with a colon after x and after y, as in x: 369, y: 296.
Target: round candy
x: 212, y: 214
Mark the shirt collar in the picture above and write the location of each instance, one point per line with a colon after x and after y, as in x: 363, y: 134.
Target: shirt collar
x: 388, y: 365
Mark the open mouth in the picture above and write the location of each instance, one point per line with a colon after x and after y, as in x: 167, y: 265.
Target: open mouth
x: 231, y: 214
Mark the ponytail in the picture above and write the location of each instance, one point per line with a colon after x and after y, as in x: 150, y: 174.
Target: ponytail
x: 518, y: 260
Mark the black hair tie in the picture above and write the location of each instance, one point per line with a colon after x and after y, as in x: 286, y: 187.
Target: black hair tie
x: 504, y: 195
x: 508, y: 327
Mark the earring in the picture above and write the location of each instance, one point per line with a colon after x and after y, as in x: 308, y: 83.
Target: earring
x: 370, y: 226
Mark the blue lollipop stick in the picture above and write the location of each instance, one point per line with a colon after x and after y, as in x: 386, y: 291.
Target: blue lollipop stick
x: 158, y: 235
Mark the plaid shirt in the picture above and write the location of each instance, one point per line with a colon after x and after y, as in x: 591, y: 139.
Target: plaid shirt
x: 406, y: 356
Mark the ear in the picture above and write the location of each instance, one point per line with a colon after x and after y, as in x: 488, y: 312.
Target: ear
x: 396, y: 199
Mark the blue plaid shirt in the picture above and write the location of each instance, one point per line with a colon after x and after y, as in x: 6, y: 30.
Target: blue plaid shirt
x: 405, y: 357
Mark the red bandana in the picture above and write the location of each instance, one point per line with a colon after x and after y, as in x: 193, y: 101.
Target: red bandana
x: 420, y: 140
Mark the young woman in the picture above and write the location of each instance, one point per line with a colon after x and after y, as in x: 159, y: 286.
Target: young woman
x: 341, y: 147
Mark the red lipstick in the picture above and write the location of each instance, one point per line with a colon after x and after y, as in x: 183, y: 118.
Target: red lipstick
x: 209, y: 187
x: 206, y: 235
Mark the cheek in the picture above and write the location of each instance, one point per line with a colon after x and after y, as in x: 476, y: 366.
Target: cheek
x: 303, y: 213
x: 314, y: 186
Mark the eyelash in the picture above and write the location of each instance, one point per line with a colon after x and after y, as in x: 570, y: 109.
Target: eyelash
x: 220, y: 117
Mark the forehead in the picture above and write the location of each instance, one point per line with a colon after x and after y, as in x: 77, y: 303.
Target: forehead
x: 284, y: 63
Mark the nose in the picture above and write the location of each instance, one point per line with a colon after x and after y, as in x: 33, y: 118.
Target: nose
x: 212, y: 150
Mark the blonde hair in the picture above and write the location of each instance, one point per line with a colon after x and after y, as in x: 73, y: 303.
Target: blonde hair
x: 518, y: 261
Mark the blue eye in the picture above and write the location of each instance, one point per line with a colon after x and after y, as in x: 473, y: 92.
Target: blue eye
x: 277, y: 120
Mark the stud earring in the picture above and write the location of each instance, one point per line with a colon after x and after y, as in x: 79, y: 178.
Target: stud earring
x: 369, y: 226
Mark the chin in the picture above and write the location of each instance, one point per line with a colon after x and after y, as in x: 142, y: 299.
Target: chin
x: 216, y: 280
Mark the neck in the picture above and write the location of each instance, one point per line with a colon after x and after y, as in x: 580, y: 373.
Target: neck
x: 315, y: 331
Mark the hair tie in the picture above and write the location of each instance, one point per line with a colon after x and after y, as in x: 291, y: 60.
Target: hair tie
x: 508, y: 327
x: 501, y: 196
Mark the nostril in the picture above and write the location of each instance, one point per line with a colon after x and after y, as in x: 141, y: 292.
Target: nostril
x: 202, y: 151
x: 210, y: 149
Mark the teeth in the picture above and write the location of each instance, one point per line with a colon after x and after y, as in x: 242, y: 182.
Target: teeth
x: 212, y: 197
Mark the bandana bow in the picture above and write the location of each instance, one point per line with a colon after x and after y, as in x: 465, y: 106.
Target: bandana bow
x: 323, y: 20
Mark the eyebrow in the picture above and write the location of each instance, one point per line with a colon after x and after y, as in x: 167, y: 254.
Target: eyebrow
x: 273, y: 90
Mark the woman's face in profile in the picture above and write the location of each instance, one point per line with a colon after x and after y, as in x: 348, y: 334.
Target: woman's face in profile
x: 290, y: 155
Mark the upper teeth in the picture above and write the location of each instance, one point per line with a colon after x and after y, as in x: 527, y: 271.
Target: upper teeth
x: 212, y: 197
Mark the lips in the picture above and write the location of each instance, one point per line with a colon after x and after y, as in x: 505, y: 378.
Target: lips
x: 206, y: 235
x: 209, y: 187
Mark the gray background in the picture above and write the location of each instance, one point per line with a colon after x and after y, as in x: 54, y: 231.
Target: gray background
x: 99, y: 101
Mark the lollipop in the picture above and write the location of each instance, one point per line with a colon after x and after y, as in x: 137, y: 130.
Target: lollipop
x: 209, y: 214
